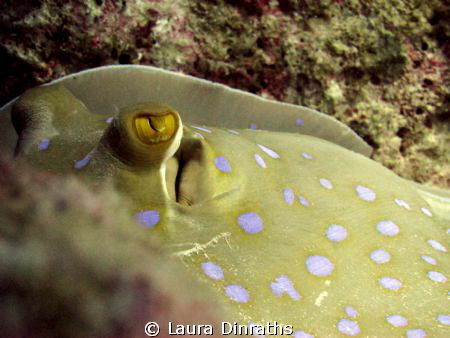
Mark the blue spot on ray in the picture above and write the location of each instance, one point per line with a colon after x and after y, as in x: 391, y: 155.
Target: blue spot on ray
x: 289, y: 196
x: 43, y: 144
x: 82, y: 163
x: 148, y: 218
x: 250, y: 222
x: 237, y: 293
x: 299, y: 122
x: 222, y: 164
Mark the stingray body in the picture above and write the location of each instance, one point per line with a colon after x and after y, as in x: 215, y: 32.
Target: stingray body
x: 285, y: 226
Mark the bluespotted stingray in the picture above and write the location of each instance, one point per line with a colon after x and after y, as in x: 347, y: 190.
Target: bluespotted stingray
x: 276, y: 207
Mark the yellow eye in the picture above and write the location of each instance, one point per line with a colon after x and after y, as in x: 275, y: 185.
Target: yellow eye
x: 153, y: 129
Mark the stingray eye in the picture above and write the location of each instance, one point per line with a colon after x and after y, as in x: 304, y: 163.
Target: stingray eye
x: 152, y: 129
x: 144, y: 135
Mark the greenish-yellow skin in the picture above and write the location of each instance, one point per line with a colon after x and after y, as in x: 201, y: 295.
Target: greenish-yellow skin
x: 284, y: 227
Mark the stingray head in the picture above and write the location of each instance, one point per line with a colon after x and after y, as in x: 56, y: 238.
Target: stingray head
x: 143, y: 148
x: 149, y: 139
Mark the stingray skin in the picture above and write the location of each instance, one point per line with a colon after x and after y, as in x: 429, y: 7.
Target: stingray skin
x: 283, y: 226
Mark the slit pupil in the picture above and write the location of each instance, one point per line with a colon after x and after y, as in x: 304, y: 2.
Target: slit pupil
x: 150, y: 124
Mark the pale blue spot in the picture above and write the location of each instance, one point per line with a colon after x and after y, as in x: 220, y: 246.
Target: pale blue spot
x: 348, y: 327
x: 416, y: 333
x: 336, y: 233
x: 302, y: 334
x: 380, y: 256
x: 284, y: 285
x: 251, y: 222
x: 319, y: 266
x: 82, y: 163
x: 148, y: 218
x: 390, y: 283
x: 212, y: 270
x: 269, y: 151
x: 436, y: 245
x: 426, y: 212
x: 43, y: 144
x: 299, y: 122
x: 366, y: 194
x: 260, y: 161
x: 429, y: 260
x: 199, y: 135
x: 237, y: 293
x: 303, y: 201
x: 202, y: 129
x: 351, y: 311
x: 222, y: 164
x: 388, y: 228
x: 289, y: 196
x: 444, y: 319
x: 397, y: 320
x: 326, y: 183
x: 437, y: 277
x: 402, y: 203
